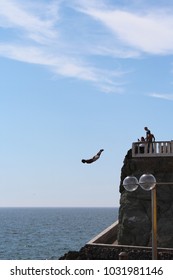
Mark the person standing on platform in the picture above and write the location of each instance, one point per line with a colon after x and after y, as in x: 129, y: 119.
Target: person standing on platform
x: 149, y: 138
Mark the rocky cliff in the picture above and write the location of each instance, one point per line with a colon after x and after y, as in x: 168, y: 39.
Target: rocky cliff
x: 135, y: 207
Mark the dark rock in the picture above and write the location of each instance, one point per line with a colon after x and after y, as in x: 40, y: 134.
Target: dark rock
x: 135, y: 207
x: 71, y: 255
x: 95, y: 252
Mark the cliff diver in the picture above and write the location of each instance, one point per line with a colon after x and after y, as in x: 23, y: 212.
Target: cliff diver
x: 94, y: 158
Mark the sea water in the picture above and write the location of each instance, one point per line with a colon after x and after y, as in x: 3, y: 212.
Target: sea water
x: 49, y: 233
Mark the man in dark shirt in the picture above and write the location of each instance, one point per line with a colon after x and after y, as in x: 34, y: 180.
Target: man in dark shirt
x: 149, y: 138
x: 147, y: 132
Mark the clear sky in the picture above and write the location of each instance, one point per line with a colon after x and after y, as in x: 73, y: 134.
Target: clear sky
x: 77, y: 76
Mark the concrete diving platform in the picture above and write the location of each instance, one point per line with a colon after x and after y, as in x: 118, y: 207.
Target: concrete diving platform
x: 152, y: 149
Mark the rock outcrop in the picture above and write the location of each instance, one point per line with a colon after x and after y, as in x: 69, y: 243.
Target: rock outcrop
x: 135, y: 207
x: 91, y: 252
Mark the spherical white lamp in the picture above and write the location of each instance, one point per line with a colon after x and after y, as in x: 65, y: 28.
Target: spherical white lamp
x: 130, y: 183
x: 147, y: 182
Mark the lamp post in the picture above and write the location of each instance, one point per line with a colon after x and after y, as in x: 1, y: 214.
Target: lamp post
x: 148, y: 183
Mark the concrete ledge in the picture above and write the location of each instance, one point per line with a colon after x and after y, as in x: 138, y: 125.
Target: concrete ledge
x: 107, y: 236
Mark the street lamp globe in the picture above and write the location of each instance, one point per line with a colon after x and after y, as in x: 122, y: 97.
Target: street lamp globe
x: 130, y: 183
x: 147, y: 182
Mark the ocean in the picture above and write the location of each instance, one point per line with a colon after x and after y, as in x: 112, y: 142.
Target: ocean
x: 49, y: 233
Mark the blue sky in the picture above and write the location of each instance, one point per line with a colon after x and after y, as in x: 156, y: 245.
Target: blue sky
x: 77, y: 76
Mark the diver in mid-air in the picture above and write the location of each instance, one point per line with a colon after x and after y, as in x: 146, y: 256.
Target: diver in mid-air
x: 96, y: 157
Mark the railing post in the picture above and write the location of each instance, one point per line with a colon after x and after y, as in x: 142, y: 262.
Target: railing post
x: 154, y: 148
x: 171, y: 146
x: 160, y: 147
x: 133, y: 149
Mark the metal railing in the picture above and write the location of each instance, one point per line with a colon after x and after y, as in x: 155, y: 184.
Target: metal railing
x: 152, y: 149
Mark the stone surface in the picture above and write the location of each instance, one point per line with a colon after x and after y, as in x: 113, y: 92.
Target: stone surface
x: 135, y: 207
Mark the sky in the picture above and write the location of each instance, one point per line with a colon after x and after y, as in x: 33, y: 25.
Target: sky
x: 77, y: 76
